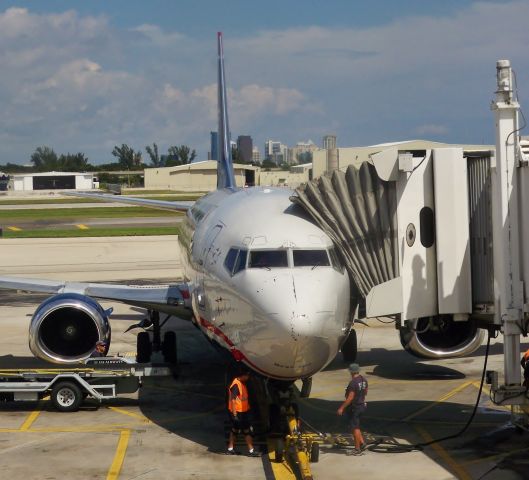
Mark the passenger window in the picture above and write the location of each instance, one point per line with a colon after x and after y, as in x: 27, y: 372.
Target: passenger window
x: 336, y: 260
x: 311, y: 258
x: 229, y: 263
x: 240, y: 263
x: 268, y: 259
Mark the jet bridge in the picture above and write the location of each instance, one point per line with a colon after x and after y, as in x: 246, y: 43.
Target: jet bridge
x: 410, y: 225
x: 434, y: 238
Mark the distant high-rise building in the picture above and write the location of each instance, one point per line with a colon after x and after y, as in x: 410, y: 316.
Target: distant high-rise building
x: 244, y: 147
x: 329, y: 142
x: 276, y: 152
x: 301, y: 153
x: 214, y: 152
x: 256, y: 155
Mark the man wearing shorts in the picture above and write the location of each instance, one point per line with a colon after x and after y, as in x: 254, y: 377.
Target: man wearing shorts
x: 355, y: 405
x: 239, y: 410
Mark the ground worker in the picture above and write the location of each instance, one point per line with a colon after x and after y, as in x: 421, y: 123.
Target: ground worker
x: 354, y: 405
x: 100, y: 349
x: 239, y: 410
x: 525, y: 365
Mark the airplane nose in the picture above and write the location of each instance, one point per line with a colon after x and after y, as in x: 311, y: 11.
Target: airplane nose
x: 308, y: 306
x: 302, y: 315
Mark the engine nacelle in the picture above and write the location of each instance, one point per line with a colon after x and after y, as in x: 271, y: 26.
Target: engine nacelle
x: 441, y: 337
x: 66, y: 327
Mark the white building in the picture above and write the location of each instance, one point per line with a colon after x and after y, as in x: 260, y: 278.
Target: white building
x: 256, y: 155
x: 26, y: 182
x: 276, y: 151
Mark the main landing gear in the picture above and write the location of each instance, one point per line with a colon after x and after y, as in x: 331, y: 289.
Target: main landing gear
x: 155, y: 349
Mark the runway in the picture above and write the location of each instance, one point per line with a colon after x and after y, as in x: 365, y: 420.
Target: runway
x: 175, y: 428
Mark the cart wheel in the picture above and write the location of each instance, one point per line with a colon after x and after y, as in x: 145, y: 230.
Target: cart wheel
x: 169, y: 347
x: 66, y: 396
x: 349, y: 348
x: 144, y: 347
x: 315, y: 452
x: 279, y: 449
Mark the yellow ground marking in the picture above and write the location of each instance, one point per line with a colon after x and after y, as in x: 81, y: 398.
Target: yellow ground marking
x: 82, y: 227
x: 31, y: 419
x: 119, y: 456
x: 460, y: 472
x: 14, y: 229
x: 484, y: 392
x: 445, y: 397
x: 139, y: 416
x: 281, y: 470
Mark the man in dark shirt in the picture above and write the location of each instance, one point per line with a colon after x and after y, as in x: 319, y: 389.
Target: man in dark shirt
x: 354, y: 405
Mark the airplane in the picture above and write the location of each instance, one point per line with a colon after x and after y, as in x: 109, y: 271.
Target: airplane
x: 261, y: 280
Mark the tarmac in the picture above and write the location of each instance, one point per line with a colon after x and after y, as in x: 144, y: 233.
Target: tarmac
x: 175, y: 427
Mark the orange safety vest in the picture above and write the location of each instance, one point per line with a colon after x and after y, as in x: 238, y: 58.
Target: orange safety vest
x: 240, y: 403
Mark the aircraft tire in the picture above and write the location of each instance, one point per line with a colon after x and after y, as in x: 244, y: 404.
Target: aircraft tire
x: 306, y: 387
x: 279, y: 447
x: 169, y: 347
x: 350, y: 347
x: 66, y: 396
x: 315, y: 453
x: 144, y: 347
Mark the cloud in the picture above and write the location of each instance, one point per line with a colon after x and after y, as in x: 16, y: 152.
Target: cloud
x: 431, y: 129
x: 77, y: 82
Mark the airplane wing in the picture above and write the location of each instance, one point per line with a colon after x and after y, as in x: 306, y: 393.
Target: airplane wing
x: 182, y: 206
x: 172, y: 299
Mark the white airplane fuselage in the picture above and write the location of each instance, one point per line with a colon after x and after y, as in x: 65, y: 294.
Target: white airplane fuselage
x: 265, y: 282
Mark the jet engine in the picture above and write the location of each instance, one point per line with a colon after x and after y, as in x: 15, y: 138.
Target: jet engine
x: 440, y: 337
x: 66, y: 327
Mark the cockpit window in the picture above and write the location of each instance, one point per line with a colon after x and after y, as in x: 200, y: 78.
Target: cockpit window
x: 310, y: 258
x: 268, y: 259
x: 230, y: 259
x: 235, y: 260
x: 240, y: 263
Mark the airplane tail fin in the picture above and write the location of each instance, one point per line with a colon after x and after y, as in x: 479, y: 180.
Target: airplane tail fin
x: 225, y: 175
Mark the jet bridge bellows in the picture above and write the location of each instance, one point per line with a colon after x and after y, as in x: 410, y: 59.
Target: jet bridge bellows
x: 358, y: 211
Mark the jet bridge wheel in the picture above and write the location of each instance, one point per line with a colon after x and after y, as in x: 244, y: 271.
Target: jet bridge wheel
x: 144, y: 347
x: 169, y: 347
x: 350, y: 348
x: 66, y: 396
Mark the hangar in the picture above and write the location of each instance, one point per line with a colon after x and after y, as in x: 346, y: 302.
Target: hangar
x: 53, y: 181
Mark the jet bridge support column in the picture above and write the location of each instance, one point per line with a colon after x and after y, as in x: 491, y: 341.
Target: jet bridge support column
x: 506, y: 235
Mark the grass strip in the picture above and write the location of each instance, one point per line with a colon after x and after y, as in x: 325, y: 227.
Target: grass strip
x: 45, y: 201
x: 14, y: 216
x: 92, y: 232
x: 159, y: 192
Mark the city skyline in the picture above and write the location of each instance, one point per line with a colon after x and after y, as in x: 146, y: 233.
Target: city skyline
x: 86, y: 76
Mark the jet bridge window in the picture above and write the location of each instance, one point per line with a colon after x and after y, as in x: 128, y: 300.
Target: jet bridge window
x: 268, y: 259
x: 310, y: 258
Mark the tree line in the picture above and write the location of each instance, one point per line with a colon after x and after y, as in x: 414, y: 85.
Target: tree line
x: 44, y: 159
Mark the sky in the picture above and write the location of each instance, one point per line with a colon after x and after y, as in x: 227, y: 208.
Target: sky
x: 84, y: 76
